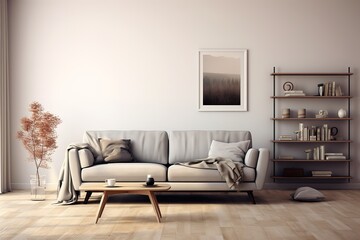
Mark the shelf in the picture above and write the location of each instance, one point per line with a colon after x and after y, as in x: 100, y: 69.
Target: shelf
x: 310, y: 161
x: 296, y: 146
x: 295, y: 141
x: 311, y: 74
x: 313, y: 97
x: 325, y: 177
x: 311, y: 119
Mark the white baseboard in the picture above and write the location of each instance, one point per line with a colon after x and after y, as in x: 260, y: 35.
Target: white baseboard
x: 26, y: 186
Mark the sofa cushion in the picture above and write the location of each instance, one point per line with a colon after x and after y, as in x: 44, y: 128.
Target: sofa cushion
x: 186, y: 146
x: 124, y: 172
x: 234, y: 151
x: 116, y: 150
x: 146, y: 146
x: 251, y: 157
x: 180, y: 173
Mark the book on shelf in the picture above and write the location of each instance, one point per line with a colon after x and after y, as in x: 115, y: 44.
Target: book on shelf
x: 286, y: 157
x: 322, y: 152
x: 338, y: 91
x: 294, y: 93
x: 285, y: 138
x: 333, y: 154
x: 321, y: 173
x: 335, y: 157
x: 301, y: 130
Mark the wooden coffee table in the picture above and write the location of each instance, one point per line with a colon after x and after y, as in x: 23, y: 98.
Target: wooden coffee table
x: 125, y: 188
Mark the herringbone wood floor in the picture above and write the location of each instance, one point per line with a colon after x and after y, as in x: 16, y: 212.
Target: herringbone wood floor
x: 185, y: 216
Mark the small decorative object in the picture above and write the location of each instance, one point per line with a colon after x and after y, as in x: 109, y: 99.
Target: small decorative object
x: 297, y: 135
x: 321, y: 89
x: 302, y: 113
x: 342, y: 113
x: 333, y: 132
x: 39, y: 139
x: 308, y: 153
x: 322, y: 114
x: 285, y: 113
x: 288, y: 86
x: 150, y: 180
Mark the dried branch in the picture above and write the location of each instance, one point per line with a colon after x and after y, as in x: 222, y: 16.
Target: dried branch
x: 38, y: 135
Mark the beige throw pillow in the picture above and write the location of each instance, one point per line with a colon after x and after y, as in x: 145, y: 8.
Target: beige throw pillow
x: 114, y: 151
x: 234, y: 151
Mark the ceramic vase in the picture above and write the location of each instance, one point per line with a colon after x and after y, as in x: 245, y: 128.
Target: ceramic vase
x: 150, y: 180
x: 342, y: 113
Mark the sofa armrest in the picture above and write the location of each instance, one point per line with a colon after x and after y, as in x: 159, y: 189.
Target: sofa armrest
x: 262, y: 167
x: 86, y: 158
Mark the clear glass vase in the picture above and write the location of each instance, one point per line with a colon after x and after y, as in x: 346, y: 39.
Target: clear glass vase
x: 38, y: 187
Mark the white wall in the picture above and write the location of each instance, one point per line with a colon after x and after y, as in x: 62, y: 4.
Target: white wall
x: 132, y: 64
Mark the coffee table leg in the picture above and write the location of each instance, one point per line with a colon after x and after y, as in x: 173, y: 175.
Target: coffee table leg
x: 155, y: 205
x: 102, y: 205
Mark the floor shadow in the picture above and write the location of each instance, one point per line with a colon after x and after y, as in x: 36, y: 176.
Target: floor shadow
x: 176, y: 198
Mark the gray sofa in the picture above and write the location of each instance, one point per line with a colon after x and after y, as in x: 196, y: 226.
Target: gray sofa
x: 156, y: 152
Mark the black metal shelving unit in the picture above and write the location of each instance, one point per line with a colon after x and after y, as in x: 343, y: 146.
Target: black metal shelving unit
x: 276, y: 119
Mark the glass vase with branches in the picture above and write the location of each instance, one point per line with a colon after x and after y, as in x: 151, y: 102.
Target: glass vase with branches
x: 38, y: 136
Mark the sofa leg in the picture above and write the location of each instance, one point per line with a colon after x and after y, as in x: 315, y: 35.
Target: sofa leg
x: 87, y: 197
x: 251, y: 196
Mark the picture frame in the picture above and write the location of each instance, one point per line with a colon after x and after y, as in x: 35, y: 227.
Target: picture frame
x: 223, y: 80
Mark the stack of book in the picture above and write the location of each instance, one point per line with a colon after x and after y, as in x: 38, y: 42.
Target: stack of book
x: 321, y: 173
x: 335, y: 156
x: 294, y: 93
x: 285, y: 138
x: 286, y: 157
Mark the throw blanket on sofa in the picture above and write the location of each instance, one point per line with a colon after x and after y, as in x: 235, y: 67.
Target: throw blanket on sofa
x: 66, y: 193
x: 231, y: 171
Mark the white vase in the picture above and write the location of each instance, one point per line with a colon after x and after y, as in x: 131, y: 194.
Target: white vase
x: 38, y: 187
x: 342, y: 113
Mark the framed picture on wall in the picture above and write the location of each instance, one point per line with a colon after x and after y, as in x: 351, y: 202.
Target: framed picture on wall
x: 223, y: 80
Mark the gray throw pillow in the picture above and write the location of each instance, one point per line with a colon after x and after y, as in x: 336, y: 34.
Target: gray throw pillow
x: 234, y: 151
x: 307, y: 194
x: 115, y: 151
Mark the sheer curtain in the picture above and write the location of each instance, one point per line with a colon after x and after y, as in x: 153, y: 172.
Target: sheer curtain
x: 5, y: 180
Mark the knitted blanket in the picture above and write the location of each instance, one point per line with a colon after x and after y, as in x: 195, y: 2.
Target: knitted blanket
x: 231, y: 171
x: 66, y: 193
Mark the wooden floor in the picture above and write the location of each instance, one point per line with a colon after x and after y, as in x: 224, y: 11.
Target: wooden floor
x: 206, y: 216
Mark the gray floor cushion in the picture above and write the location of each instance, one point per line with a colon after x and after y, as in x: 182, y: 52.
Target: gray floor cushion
x: 307, y: 194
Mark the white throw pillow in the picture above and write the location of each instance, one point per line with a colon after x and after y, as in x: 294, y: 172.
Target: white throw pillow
x: 234, y: 151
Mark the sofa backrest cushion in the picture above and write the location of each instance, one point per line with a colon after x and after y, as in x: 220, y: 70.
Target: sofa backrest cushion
x: 146, y: 146
x: 185, y: 146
